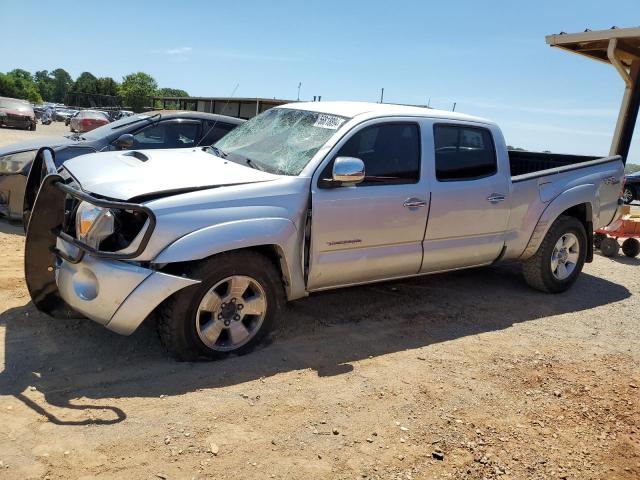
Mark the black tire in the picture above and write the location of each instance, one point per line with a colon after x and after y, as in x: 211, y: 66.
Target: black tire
x: 33, y: 127
x: 537, y: 269
x: 176, y: 316
x: 631, y: 247
x: 609, y: 247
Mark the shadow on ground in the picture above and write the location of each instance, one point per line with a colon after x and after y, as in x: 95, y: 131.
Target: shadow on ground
x: 69, y: 359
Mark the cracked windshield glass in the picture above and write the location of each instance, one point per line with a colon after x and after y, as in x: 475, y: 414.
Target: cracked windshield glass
x: 280, y: 140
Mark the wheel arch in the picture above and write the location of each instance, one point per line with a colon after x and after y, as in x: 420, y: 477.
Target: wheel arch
x: 275, y: 238
x: 575, y: 202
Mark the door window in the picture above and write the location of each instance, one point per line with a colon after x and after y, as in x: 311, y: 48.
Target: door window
x: 463, y: 153
x: 167, y: 135
x: 214, y: 131
x: 390, y: 152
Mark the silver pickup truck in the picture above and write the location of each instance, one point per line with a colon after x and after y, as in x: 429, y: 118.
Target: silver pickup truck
x: 305, y: 197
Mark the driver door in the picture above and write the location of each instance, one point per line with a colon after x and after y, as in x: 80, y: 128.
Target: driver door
x: 373, y: 230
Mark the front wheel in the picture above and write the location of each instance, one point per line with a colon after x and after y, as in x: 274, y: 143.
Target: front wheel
x: 560, y: 258
x: 230, y: 312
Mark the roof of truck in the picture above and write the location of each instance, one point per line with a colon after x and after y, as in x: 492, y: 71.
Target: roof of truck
x: 353, y: 109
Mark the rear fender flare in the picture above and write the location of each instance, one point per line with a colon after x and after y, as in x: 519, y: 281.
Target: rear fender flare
x: 225, y: 237
x: 583, y: 194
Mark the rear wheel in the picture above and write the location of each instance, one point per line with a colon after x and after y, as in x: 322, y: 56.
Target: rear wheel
x: 559, y: 259
x: 609, y: 247
x: 231, y: 311
x: 631, y: 247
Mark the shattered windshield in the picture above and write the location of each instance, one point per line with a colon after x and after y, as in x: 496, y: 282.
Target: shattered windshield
x: 280, y: 140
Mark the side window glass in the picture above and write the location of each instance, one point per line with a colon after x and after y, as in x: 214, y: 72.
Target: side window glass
x: 390, y: 152
x: 463, y: 153
x: 167, y: 135
x: 214, y: 131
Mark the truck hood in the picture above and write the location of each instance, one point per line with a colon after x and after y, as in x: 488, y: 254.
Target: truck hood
x: 124, y: 175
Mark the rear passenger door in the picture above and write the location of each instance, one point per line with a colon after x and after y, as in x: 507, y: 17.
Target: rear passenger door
x: 469, y: 199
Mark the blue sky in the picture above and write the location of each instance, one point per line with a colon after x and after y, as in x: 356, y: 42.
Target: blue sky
x: 488, y: 56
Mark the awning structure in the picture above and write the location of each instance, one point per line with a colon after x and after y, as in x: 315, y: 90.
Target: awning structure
x: 619, y: 47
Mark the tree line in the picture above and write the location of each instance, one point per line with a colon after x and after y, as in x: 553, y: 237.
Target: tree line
x: 86, y: 90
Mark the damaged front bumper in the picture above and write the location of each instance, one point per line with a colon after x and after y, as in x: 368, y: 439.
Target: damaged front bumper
x: 65, y: 276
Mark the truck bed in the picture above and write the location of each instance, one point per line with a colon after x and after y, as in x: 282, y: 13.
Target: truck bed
x: 522, y: 162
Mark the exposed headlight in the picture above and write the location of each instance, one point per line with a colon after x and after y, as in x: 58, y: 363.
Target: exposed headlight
x: 93, y: 224
x: 15, y: 162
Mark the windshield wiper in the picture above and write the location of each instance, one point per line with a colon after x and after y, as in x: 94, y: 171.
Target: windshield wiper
x: 253, y: 164
x: 216, y: 151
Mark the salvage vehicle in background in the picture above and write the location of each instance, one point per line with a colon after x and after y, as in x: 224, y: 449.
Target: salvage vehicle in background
x: 301, y: 198
x: 165, y: 129
x: 62, y: 114
x: 87, y: 120
x: 631, y: 187
x: 17, y: 113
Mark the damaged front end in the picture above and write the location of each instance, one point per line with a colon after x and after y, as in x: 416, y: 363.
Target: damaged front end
x: 50, y: 212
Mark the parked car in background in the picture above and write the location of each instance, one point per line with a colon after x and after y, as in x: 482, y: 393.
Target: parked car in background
x: 61, y: 114
x: 67, y: 120
x: 39, y: 110
x: 631, y: 187
x: 123, y: 113
x: 87, y: 120
x: 302, y: 198
x: 163, y: 129
x: 17, y: 113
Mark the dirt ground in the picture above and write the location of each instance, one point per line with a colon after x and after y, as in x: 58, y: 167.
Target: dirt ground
x: 462, y: 375
x: 11, y: 135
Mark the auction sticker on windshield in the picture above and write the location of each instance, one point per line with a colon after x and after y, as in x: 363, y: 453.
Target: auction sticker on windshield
x: 332, y: 122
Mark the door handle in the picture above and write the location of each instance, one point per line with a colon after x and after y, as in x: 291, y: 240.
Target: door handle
x: 496, y: 198
x: 414, y: 203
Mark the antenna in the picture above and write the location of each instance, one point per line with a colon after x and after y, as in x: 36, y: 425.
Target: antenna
x: 382, y: 95
x: 299, y: 85
x: 454, y: 107
x: 216, y: 120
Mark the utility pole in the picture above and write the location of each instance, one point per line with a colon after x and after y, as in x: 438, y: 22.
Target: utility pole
x: 382, y: 95
x: 299, y: 85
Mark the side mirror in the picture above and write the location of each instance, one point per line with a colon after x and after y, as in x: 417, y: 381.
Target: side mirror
x: 348, y: 170
x: 124, y: 141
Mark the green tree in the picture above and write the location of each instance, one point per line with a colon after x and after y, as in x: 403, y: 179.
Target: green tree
x: 45, y: 84
x: 136, y: 89
x: 7, y: 86
x: 62, y: 84
x: 169, y: 92
x: 25, y: 87
x: 107, y: 86
x: 86, y: 83
x: 632, y: 168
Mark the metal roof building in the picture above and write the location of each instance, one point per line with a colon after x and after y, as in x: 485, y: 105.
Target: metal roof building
x: 619, y: 47
x: 234, y: 107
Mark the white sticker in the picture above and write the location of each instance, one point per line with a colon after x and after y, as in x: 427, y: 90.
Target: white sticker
x: 328, y: 121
